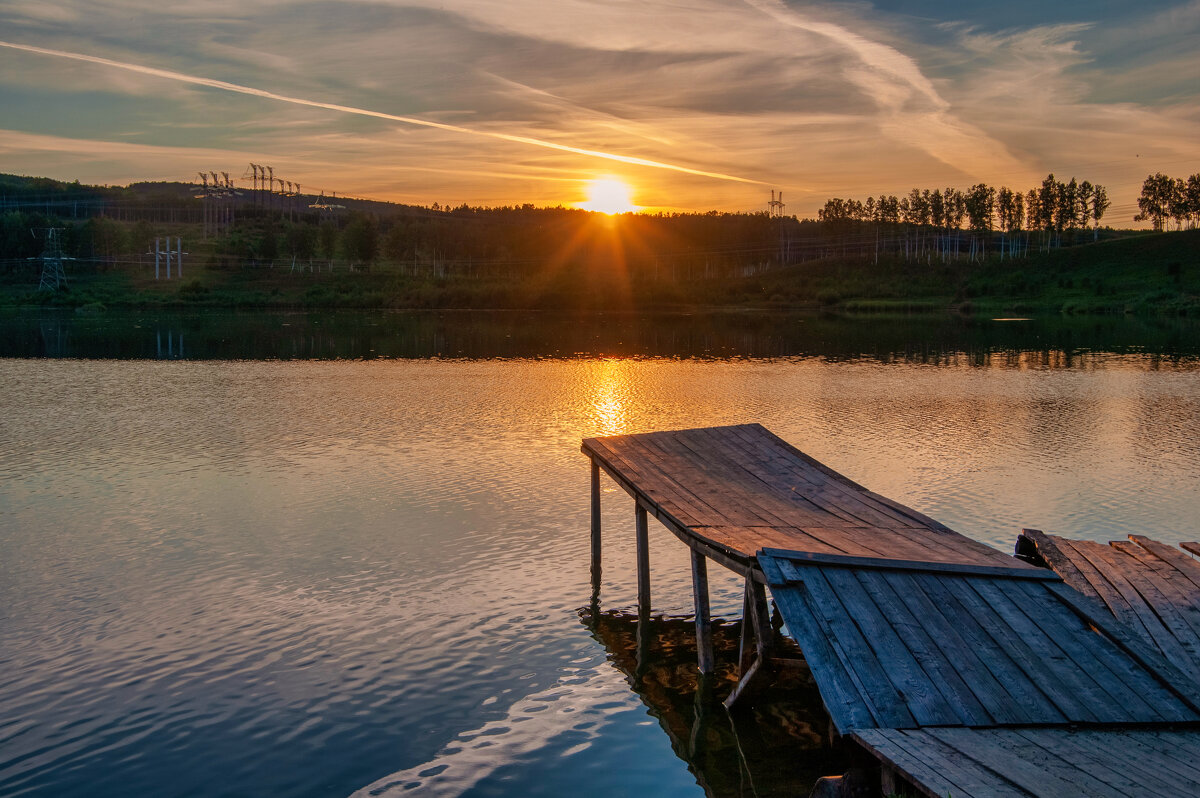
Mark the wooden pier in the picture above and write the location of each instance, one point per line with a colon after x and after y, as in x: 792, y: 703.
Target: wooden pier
x: 961, y: 669
x: 1153, y: 588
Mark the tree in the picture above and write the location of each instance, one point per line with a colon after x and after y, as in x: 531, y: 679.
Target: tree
x: 1192, y: 190
x: 1100, y: 204
x: 360, y: 239
x: 327, y: 238
x: 1155, y: 200
x: 1178, y: 204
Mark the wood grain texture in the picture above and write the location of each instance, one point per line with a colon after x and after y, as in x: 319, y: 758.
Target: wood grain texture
x: 742, y: 488
x: 1152, y: 588
x: 1040, y: 763
x: 977, y: 647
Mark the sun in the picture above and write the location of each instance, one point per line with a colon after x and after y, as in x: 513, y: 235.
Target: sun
x: 608, y: 195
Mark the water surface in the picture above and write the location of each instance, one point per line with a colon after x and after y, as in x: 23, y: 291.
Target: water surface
x: 315, y: 575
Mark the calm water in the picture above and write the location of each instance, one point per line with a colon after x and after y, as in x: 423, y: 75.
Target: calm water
x: 301, y: 574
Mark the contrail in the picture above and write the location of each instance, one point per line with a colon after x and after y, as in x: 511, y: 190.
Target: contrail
x: 347, y: 109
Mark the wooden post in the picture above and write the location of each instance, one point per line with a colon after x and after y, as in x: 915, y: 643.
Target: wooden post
x: 595, y: 528
x: 761, y: 618
x: 746, y: 643
x: 643, y: 560
x: 704, y: 648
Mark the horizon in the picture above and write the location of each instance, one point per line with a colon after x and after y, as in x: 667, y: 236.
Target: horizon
x: 705, y: 108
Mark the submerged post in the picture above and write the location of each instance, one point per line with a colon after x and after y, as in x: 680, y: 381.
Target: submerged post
x: 643, y: 561
x: 704, y: 649
x: 595, y: 527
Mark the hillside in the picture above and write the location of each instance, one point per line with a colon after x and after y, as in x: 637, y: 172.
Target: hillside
x: 248, y: 250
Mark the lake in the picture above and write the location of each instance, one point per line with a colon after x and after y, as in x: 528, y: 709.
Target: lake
x: 347, y: 553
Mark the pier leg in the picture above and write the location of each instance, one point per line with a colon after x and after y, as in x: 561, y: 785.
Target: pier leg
x: 595, y: 529
x: 643, y: 574
x: 746, y: 642
x: 761, y: 618
x: 704, y: 647
x: 643, y: 561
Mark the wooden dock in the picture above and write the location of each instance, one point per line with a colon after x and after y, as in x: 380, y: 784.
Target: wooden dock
x: 961, y: 669
x: 1153, y: 588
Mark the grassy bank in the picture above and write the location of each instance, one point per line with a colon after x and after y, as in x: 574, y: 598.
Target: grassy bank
x: 1145, y: 274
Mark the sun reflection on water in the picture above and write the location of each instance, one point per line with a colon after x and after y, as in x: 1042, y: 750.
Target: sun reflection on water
x: 610, y: 382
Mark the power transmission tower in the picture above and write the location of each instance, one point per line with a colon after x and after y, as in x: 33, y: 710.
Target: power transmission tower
x: 53, y: 275
x: 775, y: 211
x: 775, y: 206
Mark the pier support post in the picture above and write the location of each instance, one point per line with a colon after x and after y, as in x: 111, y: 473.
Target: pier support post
x: 643, y: 560
x: 704, y: 647
x: 746, y: 639
x: 595, y: 528
x: 761, y: 617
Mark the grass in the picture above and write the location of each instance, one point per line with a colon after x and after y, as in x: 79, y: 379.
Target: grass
x: 1147, y: 274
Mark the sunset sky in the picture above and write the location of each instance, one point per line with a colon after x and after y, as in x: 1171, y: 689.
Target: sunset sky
x: 700, y: 104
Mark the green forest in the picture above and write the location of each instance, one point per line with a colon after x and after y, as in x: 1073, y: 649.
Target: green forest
x: 1041, y: 249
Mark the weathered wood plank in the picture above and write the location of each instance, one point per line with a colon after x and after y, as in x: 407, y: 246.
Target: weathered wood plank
x: 980, y: 746
x: 737, y: 480
x: 988, y: 681
x: 673, y: 485
x: 845, y: 698
x: 933, y: 767
x: 1166, y: 604
x: 1018, y: 700
x: 1136, y: 584
x: 855, y: 650
x: 1165, y: 679
x: 943, y: 674
x: 1186, y: 566
x: 1044, y: 751
x: 921, y: 696
x: 1133, y: 694
x: 1098, y: 582
x: 735, y: 503
x: 1105, y: 755
x: 1071, y: 690
x: 792, y: 477
x: 815, y: 467
x: 1015, y: 571
x: 1177, y: 591
x: 1179, y: 750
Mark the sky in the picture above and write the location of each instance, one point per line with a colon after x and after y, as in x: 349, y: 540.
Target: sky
x: 696, y: 104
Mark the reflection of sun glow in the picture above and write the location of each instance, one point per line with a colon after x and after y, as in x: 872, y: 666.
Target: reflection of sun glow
x: 610, y: 389
x: 608, y: 195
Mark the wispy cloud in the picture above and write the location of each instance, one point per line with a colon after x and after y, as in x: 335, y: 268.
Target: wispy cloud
x: 347, y: 109
x: 501, y: 101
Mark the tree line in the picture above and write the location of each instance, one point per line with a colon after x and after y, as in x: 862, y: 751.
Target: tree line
x: 1165, y: 198
x: 926, y: 223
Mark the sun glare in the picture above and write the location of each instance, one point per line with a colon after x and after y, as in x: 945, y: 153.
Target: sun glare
x: 608, y: 195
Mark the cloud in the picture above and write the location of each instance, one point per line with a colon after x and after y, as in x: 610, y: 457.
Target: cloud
x: 345, y: 109
x: 493, y: 102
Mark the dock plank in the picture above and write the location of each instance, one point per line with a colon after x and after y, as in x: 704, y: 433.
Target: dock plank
x: 744, y: 478
x: 1023, y: 653
x: 1038, y: 762
x: 937, y: 769
x: 855, y: 650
